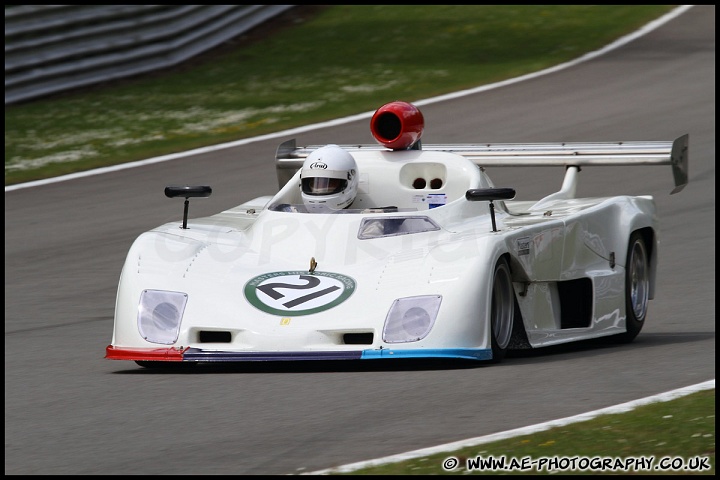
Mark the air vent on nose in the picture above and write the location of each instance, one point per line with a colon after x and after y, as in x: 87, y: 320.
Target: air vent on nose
x: 210, y: 336
x: 358, y: 338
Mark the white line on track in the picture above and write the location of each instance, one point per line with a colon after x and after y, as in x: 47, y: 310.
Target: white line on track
x: 164, y: 158
x: 450, y: 447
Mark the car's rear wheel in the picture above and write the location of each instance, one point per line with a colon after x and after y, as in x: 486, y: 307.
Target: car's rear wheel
x: 502, y: 310
x: 637, y: 287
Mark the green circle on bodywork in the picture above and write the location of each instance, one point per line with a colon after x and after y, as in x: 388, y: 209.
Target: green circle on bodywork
x: 297, y: 293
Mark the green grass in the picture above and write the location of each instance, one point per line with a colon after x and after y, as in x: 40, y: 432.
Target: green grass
x: 681, y: 430
x: 331, y: 62
x: 338, y: 61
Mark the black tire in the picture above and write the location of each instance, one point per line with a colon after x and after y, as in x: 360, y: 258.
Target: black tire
x: 637, y: 288
x: 502, y: 310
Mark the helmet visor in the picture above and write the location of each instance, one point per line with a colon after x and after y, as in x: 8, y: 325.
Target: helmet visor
x: 323, y: 186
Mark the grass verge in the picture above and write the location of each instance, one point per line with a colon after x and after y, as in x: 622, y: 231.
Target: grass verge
x: 667, y: 438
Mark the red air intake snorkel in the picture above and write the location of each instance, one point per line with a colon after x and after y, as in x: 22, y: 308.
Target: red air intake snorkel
x: 398, y: 126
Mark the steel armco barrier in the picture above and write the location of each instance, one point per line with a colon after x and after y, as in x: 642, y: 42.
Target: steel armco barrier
x: 53, y: 48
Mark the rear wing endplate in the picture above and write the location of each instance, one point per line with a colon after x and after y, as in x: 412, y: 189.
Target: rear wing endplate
x: 289, y: 157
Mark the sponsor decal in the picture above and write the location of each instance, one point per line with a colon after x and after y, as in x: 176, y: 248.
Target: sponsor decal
x: 297, y: 293
x: 523, y: 246
x: 436, y: 199
x: 318, y: 166
x: 432, y: 199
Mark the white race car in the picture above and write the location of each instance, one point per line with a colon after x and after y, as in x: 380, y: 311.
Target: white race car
x: 430, y: 260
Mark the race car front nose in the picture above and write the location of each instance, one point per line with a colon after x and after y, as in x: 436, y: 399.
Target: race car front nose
x: 160, y: 315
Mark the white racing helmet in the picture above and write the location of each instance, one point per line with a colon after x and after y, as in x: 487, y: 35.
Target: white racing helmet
x: 329, y: 179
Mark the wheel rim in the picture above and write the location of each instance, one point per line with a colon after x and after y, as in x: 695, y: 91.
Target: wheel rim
x: 502, y: 307
x: 639, y: 283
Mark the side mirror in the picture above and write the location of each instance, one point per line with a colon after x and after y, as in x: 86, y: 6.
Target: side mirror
x: 488, y: 195
x: 187, y: 191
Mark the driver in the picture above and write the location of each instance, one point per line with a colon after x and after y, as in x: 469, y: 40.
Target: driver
x: 329, y: 179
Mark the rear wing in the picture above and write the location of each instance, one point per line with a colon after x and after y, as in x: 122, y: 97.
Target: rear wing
x: 289, y: 157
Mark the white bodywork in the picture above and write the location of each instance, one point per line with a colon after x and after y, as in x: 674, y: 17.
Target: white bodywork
x: 328, y: 287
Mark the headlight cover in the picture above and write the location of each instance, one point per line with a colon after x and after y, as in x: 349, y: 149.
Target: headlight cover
x: 411, y: 318
x: 159, y: 315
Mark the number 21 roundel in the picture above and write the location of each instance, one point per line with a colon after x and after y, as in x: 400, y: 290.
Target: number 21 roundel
x: 298, y: 293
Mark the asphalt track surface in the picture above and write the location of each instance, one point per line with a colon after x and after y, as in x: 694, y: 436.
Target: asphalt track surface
x: 70, y: 411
